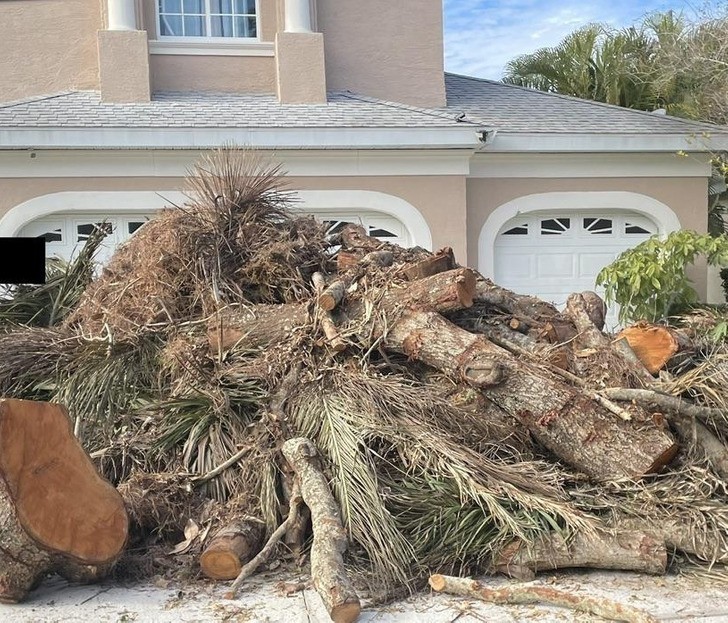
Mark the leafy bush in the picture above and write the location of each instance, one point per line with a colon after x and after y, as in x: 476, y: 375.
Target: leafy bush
x: 649, y: 281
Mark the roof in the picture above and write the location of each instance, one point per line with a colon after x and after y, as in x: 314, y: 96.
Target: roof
x: 84, y: 109
x: 512, y: 119
x: 512, y: 108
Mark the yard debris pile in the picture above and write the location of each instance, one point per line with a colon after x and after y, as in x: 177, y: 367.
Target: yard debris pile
x: 237, y: 368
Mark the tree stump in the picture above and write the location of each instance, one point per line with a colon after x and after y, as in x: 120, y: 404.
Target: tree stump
x: 231, y: 547
x: 56, y: 513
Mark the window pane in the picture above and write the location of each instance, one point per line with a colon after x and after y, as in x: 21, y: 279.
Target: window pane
x: 221, y: 6
x: 170, y: 6
x: 245, y: 27
x: 171, y: 25
x: 222, y: 26
x: 194, y: 26
x: 243, y: 7
x: 132, y: 226
x: 195, y: 6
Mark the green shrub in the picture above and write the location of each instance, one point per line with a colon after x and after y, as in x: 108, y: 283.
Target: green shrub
x: 649, y: 281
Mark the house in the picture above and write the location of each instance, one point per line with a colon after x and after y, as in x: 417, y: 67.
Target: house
x: 104, y: 104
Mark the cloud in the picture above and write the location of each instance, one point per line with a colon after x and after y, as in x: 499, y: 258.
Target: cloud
x: 481, y: 36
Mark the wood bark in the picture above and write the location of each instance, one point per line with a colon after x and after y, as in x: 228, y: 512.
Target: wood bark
x: 581, y: 432
x: 332, y: 295
x: 676, y: 532
x: 56, y: 513
x: 529, y: 594
x: 231, y: 547
x: 489, y: 293
x: 683, y: 416
x: 255, y: 327
x: 440, y: 262
x: 264, y: 554
x: 654, y: 345
x: 632, y: 550
x: 444, y: 292
x: 329, y: 539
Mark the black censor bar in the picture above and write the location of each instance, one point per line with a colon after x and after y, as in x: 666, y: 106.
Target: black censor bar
x: 22, y: 260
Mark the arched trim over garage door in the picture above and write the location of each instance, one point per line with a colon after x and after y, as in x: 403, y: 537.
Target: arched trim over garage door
x: 145, y: 201
x: 581, y: 201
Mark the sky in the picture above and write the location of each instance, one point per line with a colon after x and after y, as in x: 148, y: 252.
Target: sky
x: 482, y: 35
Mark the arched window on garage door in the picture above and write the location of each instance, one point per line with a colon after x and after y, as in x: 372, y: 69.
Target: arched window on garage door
x: 377, y: 225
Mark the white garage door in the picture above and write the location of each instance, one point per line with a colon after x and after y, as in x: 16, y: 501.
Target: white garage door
x: 66, y: 233
x: 551, y: 255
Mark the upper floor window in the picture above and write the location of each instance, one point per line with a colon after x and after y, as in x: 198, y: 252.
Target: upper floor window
x: 208, y: 18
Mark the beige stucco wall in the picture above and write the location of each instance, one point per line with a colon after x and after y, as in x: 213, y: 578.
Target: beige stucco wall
x: 440, y: 199
x: 687, y: 197
x: 252, y: 74
x: 48, y: 46
x: 391, y: 50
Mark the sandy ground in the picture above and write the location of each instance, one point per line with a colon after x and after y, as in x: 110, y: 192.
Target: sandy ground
x: 668, y: 598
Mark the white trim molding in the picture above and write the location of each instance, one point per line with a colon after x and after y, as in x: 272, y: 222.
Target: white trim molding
x: 665, y: 219
x: 212, y: 48
x: 86, y: 201
x: 466, y: 136
x: 370, y: 201
x: 593, y: 165
x: 144, y: 201
x: 154, y: 163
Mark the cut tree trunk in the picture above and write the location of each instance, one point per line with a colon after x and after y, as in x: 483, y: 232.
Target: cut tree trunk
x: 631, y: 550
x: 520, y: 305
x: 258, y: 326
x: 654, y: 344
x: 440, y: 262
x: 329, y: 539
x: 231, y: 547
x: 575, y: 428
x: 56, y: 513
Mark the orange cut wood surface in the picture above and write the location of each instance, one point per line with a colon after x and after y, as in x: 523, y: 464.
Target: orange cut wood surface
x: 61, y: 501
x: 652, y: 344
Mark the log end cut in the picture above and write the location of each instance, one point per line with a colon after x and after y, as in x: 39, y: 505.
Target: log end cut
x: 61, y: 508
x: 231, y: 548
x: 654, y: 345
x: 345, y: 613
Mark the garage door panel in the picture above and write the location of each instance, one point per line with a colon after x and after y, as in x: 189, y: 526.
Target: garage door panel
x: 557, y: 265
x: 591, y: 263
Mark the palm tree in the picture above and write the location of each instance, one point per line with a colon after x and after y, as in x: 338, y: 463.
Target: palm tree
x: 608, y: 65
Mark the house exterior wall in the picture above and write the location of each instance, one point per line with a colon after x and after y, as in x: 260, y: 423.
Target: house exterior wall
x: 390, y: 50
x: 439, y: 198
x: 686, y: 196
x: 210, y: 72
x: 48, y: 46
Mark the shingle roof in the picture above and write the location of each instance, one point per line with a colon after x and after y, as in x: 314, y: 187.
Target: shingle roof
x: 512, y: 108
x: 470, y: 101
x: 84, y: 109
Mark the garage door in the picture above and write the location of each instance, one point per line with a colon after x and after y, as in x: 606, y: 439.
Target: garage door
x: 551, y: 255
x: 66, y: 233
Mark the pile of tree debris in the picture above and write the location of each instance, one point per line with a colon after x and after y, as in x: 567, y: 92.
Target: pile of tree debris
x: 248, y: 379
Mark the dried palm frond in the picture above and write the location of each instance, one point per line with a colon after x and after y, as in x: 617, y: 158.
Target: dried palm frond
x: 405, y: 483
x: 48, y: 304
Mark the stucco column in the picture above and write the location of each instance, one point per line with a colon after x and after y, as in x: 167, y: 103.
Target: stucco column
x: 300, y: 63
x: 123, y: 56
x: 298, y: 15
x: 122, y: 14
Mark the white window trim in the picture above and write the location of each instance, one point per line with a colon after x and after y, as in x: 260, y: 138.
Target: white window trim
x: 234, y: 47
x: 203, y: 41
